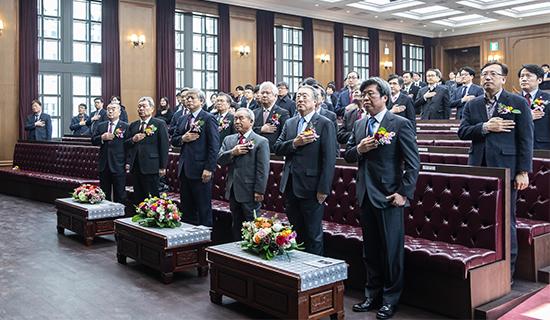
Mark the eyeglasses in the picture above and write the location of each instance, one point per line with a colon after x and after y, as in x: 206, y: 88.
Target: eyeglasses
x: 371, y: 94
x: 491, y: 74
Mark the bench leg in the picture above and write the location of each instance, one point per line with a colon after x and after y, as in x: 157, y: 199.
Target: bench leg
x: 167, y: 277
x: 203, y: 271
x: 60, y: 230
x: 121, y: 258
x: 337, y: 316
x: 216, y: 297
x: 88, y: 241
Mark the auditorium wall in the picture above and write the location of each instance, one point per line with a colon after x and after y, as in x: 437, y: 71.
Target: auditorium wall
x: 9, y: 81
x: 517, y: 46
x: 242, y: 27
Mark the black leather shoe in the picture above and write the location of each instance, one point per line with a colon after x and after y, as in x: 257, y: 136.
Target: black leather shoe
x: 365, y: 306
x: 386, y: 312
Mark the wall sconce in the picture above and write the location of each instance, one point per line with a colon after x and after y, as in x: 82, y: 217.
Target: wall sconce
x: 244, y: 51
x: 324, y: 58
x: 386, y: 49
x: 1, y: 27
x: 388, y: 64
x: 494, y: 58
x: 137, y: 41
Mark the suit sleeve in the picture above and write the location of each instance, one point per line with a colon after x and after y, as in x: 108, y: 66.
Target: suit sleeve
x: 351, y: 155
x: 262, y: 167
x: 343, y: 134
x: 282, y: 146
x: 89, y: 121
x: 328, y: 156
x: 96, y: 137
x: 409, y: 149
x: 75, y: 124
x: 284, y: 116
x: 224, y: 156
x: 164, y: 145
x: 213, y: 144
x: 524, y: 137
x: 258, y: 122
x: 445, y: 103
x: 48, y: 128
x: 339, y: 107
x: 128, y: 142
x: 419, y: 99
x: 178, y: 133
x: 468, y: 130
x: 29, y: 124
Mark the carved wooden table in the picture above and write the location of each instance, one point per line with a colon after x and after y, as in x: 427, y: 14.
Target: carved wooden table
x: 306, y: 287
x: 87, y: 220
x: 166, y: 250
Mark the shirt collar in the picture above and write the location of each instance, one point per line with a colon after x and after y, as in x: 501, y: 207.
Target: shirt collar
x: 308, y: 116
x: 196, y: 113
x: 247, y: 134
x: 497, y: 96
x: 394, y: 98
x: 380, y: 115
x: 532, y: 93
x: 146, y: 120
x: 115, y: 122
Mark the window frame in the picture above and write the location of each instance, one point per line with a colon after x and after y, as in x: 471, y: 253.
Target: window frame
x: 293, y: 65
x: 352, y: 54
x: 414, y: 62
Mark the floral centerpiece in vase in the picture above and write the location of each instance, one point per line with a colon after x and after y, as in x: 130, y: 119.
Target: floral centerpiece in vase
x: 268, y: 237
x: 88, y: 193
x: 158, y: 212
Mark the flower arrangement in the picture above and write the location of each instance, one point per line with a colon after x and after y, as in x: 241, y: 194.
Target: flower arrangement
x: 250, y: 144
x: 196, y: 126
x: 150, y: 130
x: 275, y: 119
x: 310, y: 130
x: 223, y: 124
x: 539, y: 104
x: 383, y: 136
x: 504, y: 109
x: 268, y: 237
x: 88, y: 193
x: 119, y: 133
x: 159, y: 212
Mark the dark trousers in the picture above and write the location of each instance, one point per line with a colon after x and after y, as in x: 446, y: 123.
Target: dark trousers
x: 383, y: 251
x: 513, y: 231
x: 145, y: 185
x: 241, y: 212
x: 196, y: 201
x: 115, y: 183
x: 306, y: 216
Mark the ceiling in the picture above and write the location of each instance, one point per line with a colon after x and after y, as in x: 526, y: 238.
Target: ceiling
x: 431, y: 18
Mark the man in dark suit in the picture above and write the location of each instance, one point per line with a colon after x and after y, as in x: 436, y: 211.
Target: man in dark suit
x: 239, y: 95
x: 466, y: 92
x: 545, y: 85
x: 249, y: 101
x: 180, y: 111
x: 350, y: 117
x: 284, y: 100
x: 308, y: 144
x: 147, y: 151
x: 38, y: 124
x: 198, y: 137
x: 110, y: 136
x: 530, y: 77
x: 270, y: 118
x: 97, y: 116
x: 247, y: 155
x: 332, y: 95
x: 346, y: 96
x: 223, y: 117
x: 433, y: 100
x: 386, y: 180
x: 417, y: 80
x: 400, y: 103
x: 500, y: 137
x: 78, y: 123
x: 409, y: 88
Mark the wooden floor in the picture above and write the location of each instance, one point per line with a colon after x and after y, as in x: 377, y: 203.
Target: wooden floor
x: 44, y: 275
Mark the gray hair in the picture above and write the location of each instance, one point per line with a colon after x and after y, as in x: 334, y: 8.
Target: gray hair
x: 249, y: 113
x: 314, y: 92
x: 197, y: 92
x: 437, y: 72
x: 149, y: 101
x: 381, y: 84
x: 270, y: 85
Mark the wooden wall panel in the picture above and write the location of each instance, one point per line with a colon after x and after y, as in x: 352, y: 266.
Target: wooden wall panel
x: 9, y: 80
x: 323, y: 43
x: 137, y: 65
x: 197, y: 6
x: 243, y: 33
x: 530, y: 49
x: 386, y: 39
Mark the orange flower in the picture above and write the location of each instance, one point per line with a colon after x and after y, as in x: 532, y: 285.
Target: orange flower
x: 266, y: 224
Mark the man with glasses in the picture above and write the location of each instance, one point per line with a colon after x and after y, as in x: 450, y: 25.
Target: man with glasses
x: 434, y: 99
x: 270, y: 118
x: 98, y: 116
x: 386, y: 180
x: 466, y: 92
x: 346, y: 95
x: 530, y: 77
x: 308, y: 142
x: 500, y: 126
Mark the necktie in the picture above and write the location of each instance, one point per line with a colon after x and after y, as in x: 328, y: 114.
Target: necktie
x: 350, y: 96
x: 241, y: 139
x: 110, y: 127
x: 266, y: 114
x: 301, y: 125
x: 359, y: 114
x: 142, y: 127
x: 36, y: 117
x: 189, y: 121
x: 528, y: 97
x: 370, y: 126
x: 490, y: 104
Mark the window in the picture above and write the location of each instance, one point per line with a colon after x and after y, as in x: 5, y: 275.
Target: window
x: 197, y: 46
x: 413, y: 58
x: 356, y: 56
x: 69, y: 52
x: 288, y: 56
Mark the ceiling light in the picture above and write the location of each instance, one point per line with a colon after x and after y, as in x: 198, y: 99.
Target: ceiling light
x: 428, y: 13
x: 491, y: 4
x: 464, y: 20
x: 384, y: 5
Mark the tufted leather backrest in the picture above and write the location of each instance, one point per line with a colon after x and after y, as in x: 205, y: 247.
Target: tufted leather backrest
x: 273, y: 199
x: 444, y: 158
x: 457, y: 209
x: 35, y: 156
x: 77, y: 161
x: 341, y: 206
x: 172, y: 172
x: 534, y: 201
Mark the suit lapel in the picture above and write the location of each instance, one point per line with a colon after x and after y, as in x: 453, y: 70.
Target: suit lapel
x: 362, y: 127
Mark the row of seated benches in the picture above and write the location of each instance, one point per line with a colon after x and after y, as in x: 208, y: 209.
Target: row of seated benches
x: 454, y: 227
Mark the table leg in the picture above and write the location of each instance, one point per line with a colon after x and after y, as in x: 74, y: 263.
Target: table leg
x: 60, y: 230
x: 337, y: 316
x: 167, y: 277
x: 215, y: 297
x: 121, y: 258
x: 88, y: 241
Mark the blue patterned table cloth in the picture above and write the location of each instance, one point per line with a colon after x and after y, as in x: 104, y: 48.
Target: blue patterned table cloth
x: 102, y: 210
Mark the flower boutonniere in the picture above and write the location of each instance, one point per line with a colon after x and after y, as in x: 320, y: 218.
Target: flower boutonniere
x: 539, y: 104
x: 250, y: 144
x: 504, y: 109
x: 383, y: 136
x: 310, y: 130
x: 275, y: 119
x: 119, y: 133
x: 223, y: 124
x: 196, y: 126
x: 150, y: 130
